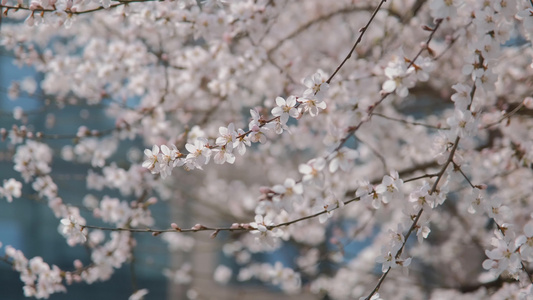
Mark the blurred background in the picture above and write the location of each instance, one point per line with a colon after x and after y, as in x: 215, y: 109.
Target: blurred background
x: 29, y: 225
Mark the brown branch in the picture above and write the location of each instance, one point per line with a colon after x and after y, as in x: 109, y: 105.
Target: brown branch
x: 426, y: 46
x: 506, y: 116
x: 199, y: 227
x: 414, y: 225
x: 450, y: 45
x: 236, y: 226
x: 70, y: 12
x: 376, y: 153
x: 325, y: 17
x: 457, y: 167
x: 362, y: 32
x: 409, y: 122
x: 5, y: 259
x: 353, y: 129
x: 497, y: 283
x: 421, y: 177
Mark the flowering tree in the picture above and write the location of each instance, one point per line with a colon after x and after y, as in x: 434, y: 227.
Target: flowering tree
x: 404, y: 124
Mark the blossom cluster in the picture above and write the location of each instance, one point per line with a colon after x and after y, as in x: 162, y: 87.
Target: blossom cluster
x: 200, y: 150
x: 285, y: 278
x: 11, y: 188
x: 40, y: 280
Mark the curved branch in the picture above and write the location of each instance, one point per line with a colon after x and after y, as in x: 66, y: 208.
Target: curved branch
x: 70, y: 12
x: 325, y: 17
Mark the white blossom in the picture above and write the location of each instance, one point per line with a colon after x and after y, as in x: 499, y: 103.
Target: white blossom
x: 11, y: 188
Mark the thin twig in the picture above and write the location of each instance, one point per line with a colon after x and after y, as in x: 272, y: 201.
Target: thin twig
x: 353, y: 129
x: 362, y: 32
x: 437, y: 25
x: 199, y: 227
x: 237, y: 227
x: 506, y: 116
x: 409, y: 122
x: 376, y: 153
x: 46, y: 10
x: 414, y: 225
x: 420, y: 177
x: 458, y: 168
x: 325, y: 17
x: 452, y: 42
